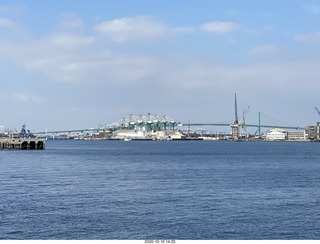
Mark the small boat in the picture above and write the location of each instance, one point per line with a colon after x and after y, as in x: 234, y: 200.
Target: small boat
x: 127, y: 139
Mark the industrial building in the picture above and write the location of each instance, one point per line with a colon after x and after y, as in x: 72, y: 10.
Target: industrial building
x: 279, y: 134
x: 132, y: 134
x: 146, y: 123
x: 312, y: 132
x: 296, y: 135
x: 143, y: 127
x: 276, y: 134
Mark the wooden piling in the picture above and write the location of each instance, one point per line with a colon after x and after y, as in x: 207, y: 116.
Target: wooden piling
x: 22, y: 143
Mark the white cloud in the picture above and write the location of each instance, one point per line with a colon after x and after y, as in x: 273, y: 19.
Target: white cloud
x: 61, y: 56
x: 139, y: 28
x: 145, y: 28
x: 72, y: 57
x: 83, y: 64
x: 69, y: 58
x: 68, y: 40
x: 27, y: 98
x: 249, y: 78
x: 10, y: 30
x: 5, y: 23
x: 267, y: 49
x: 219, y: 27
x: 183, y: 30
x: 311, y: 37
x: 70, y: 22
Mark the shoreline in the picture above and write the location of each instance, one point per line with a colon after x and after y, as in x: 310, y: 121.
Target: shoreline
x: 186, y: 139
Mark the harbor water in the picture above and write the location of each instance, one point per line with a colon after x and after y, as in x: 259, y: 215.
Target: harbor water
x: 161, y: 190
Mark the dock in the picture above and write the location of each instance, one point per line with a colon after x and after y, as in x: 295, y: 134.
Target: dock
x: 22, y: 143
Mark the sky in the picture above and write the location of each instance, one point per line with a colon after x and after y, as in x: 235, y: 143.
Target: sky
x: 80, y: 64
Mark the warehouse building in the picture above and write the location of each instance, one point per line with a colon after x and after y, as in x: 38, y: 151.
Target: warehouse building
x: 276, y: 134
x: 296, y: 135
x: 132, y: 134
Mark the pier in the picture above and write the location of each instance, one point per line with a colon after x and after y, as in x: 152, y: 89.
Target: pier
x: 22, y: 143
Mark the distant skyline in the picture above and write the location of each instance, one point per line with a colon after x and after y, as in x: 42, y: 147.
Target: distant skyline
x: 79, y: 64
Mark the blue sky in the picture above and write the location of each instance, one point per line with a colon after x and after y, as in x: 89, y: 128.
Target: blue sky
x: 78, y: 64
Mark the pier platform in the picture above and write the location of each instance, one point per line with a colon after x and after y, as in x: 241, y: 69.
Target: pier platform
x: 22, y: 143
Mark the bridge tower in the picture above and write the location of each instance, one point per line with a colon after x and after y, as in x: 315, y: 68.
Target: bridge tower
x: 235, y: 125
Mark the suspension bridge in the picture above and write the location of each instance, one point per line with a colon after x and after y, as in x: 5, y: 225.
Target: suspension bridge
x: 155, y: 122
x: 128, y: 122
x: 247, y: 125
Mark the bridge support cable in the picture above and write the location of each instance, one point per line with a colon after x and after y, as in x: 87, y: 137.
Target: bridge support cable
x: 247, y: 125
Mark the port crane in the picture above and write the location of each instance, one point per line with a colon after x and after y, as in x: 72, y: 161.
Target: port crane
x: 317, y: 109
x: 235, y: 125
x: 243, y: 124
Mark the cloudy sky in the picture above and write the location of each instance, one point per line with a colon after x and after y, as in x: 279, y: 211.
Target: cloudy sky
x: 79, y: 64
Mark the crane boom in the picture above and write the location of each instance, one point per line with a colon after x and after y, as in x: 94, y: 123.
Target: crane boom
x: 244, y: 113
x: 317, y: 109
x: 243, y: 125
x: 247, y: 110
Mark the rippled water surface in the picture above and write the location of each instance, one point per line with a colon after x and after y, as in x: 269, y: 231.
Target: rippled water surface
x: 161, y: 190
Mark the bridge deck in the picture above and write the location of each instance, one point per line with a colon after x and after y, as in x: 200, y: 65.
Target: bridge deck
x: 183, y: 124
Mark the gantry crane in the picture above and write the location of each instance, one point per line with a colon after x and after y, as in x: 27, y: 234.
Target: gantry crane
x: 243, y: 125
